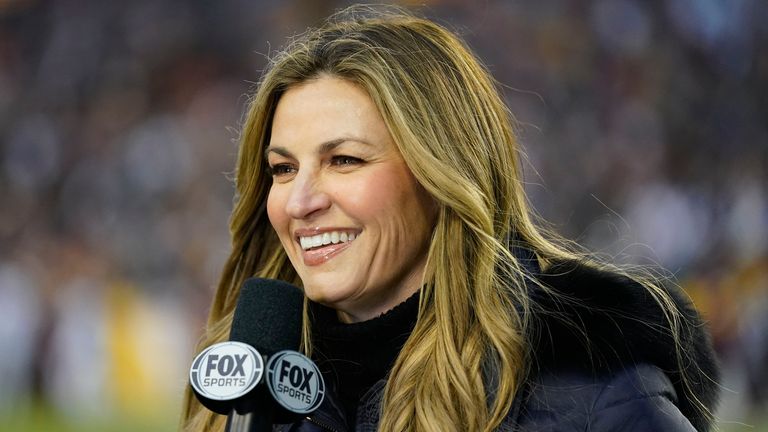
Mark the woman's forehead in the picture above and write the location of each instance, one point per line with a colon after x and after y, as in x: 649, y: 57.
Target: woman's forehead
x: 324, y: 111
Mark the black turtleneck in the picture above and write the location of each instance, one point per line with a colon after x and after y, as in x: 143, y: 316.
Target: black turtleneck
x: 353, y: 357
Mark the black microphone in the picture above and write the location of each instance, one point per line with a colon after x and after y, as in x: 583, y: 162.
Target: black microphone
x: 266, y: 325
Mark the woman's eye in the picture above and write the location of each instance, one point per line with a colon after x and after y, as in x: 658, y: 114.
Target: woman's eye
x: 280, y: 169
x: 345, y: 160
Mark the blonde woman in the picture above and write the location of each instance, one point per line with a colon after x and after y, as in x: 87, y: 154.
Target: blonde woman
x: 378, y: 171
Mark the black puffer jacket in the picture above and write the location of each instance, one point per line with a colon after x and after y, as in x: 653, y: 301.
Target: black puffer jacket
x: 604, y: 360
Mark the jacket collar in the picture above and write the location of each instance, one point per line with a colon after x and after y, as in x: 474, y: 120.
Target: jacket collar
x: 593, y: 320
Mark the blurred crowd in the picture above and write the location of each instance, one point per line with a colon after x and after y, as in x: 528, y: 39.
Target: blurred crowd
x: 645, y: 126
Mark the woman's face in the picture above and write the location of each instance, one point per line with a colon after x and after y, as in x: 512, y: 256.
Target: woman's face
x: 352, y: 218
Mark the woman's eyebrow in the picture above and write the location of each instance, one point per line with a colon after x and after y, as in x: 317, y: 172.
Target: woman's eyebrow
x: 282, y: 151
x: 328, y: 146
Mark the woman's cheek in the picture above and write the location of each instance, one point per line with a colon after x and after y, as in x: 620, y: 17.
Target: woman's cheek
x: 276, y: 210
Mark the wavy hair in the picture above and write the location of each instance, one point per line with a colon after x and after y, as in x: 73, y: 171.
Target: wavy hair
x: 456, y: 135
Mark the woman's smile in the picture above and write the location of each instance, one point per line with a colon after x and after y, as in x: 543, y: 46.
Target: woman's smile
x: 322, y: 244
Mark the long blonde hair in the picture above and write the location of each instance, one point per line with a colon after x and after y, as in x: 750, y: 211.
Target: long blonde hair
x: 454, y: 132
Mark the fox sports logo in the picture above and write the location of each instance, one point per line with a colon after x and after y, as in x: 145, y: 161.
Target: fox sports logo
x: 295, y: 382
x: 226, y: 371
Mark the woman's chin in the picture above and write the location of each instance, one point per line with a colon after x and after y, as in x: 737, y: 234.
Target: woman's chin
x: 326, y: 296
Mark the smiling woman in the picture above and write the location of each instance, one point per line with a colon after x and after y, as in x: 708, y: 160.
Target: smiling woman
x: 351, y: 217
x: 378, y: 170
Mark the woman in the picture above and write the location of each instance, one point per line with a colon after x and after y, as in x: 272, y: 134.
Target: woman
x: 378, y: 170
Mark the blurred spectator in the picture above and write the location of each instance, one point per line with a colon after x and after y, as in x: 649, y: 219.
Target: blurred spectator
x: 20, y: 318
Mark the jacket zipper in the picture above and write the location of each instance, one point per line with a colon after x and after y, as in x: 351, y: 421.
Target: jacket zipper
x: 322, y: 425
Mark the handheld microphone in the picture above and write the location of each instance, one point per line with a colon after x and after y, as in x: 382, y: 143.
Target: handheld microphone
x: 226, y: 376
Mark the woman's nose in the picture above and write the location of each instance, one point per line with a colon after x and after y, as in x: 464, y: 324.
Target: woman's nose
x: 307, y: 197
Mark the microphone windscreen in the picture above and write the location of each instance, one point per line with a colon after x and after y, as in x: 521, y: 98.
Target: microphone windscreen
x: 268, y: 316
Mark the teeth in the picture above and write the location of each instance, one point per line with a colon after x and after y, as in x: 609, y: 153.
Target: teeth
x: 325, y: 239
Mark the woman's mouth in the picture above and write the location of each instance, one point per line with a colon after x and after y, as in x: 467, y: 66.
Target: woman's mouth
x: 319, y: 248
x: 324, y: 239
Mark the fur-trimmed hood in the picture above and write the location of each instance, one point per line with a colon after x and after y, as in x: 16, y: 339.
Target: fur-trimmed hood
x: 599, y: 321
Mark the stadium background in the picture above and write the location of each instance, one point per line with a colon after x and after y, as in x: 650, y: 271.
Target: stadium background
x: 644, y: 123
